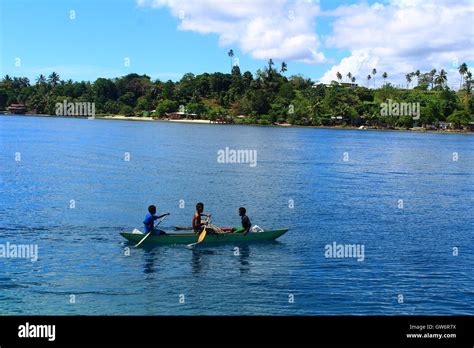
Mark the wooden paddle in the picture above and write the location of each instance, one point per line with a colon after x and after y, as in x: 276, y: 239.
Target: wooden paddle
x: 149, y: 233
x: 201, y: 236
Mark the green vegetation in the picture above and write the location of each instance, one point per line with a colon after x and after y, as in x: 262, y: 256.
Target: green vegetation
x: 266, y: 97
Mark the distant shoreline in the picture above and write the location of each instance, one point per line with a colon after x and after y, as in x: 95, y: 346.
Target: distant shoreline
x: 150, y: 119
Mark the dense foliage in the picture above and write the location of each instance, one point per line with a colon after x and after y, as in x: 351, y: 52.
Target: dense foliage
x: 266, y: 97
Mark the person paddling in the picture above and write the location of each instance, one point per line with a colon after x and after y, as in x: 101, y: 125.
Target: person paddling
x: 150, y: 219
x: 197, y: 223
x: 246, y: 224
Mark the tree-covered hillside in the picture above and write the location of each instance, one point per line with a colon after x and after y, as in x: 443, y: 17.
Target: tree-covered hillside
x: 266, y: 97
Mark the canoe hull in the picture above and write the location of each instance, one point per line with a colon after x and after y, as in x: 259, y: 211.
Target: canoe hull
x: 211, y: 239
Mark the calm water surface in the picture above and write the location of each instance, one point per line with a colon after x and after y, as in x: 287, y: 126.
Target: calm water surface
x: 408, y: 251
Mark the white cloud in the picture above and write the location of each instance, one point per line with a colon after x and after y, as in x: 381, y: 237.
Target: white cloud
x: 278, y: 29
x: 403, y: 36
x: 398, y: 37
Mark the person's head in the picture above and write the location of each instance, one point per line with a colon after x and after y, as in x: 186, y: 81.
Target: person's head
x: 152, y: 209
x: 242, y: 211
x: 200, y: 207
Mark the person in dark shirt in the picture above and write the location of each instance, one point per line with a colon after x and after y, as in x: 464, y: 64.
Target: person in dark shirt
x: 197, y: 223
x: 150, y: 219
x: 246, y: 224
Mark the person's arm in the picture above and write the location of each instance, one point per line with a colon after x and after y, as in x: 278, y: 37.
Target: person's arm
x: 195, y: 217
x: 206, y: 215
x: 161, y: 216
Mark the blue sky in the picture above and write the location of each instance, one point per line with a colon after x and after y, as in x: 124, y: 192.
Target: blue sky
x: 161, y: 44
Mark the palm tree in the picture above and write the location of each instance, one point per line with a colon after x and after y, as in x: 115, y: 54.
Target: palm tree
x: 24, y: 82
x: 468, y: 82
x: 417, y: 74
x: 432, y: 74
x: 368, y: 80
x: 339, y: 76
x: 408, y: 78
x: 270, y: 64
x: 412, y: 75
x: 374, y: 72
x: 231, y: 56
x: 270, y: 69
x: 284, y: 67
x: 7, y: 78
x: 442, y: 78
x: 462, y: 71
x: 41, y: 80
x: 349, y: 76
x: 53, y: 79
x: 384, y: 76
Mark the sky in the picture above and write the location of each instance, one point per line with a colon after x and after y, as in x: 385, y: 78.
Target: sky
x: 88, y: 39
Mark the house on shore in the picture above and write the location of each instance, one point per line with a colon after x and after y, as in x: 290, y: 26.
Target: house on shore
x: 180, y: 116
x: 470, y: 126
x: 445, y: 125
x: 17, y: 109
x: 223, y: 120
x: 335, y: 83
x: 337, y: 120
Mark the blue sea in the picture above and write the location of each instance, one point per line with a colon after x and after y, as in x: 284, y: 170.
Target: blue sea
x: 70, y: 186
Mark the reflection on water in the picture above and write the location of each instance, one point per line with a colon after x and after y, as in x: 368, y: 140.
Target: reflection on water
x: 198, y: 258
x: 150, y: 258
x: 201, y: 258
x: 244, y: 255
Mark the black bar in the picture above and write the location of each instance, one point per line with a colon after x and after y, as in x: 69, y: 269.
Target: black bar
x: 242, y: 330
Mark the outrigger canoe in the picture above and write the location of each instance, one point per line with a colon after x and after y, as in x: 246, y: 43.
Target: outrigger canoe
x: 211, y: 239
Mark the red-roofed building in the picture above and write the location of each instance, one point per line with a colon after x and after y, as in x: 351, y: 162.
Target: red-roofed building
x: 18, y: 109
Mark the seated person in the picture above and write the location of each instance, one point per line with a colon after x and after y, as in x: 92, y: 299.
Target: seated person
x: 197, y: 223
x: 246, y: 224
x: 150, y: 219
